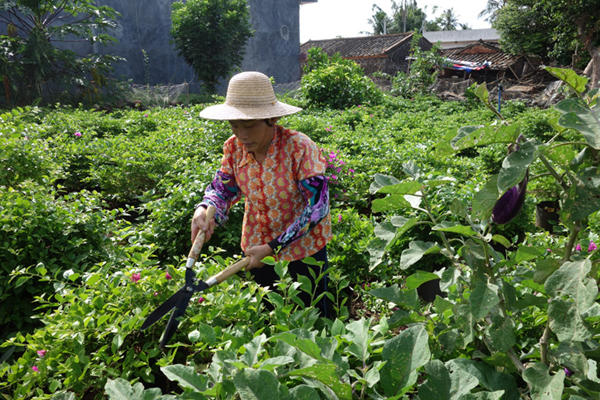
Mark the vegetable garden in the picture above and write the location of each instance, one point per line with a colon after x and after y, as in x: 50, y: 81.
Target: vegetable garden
x: 94, y: 225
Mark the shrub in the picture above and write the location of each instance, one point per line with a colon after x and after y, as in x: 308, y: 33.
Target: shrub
x: 336, y: 83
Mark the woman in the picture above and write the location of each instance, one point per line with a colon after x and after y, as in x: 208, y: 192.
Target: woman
x: 281, y: 174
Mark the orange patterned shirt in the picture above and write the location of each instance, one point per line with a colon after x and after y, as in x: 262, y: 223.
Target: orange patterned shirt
x: 273, y: 197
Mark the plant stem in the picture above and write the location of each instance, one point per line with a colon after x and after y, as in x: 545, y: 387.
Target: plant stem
x: 553, y: 172
x: 544, y: 343
x: 571, y: 243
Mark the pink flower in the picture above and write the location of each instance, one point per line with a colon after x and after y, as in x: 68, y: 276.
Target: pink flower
x: 351, y: 170
x: 35, y: 368
x: 135, y: 277
x: 155, y: 294
x: 334, y: 177
x: 578, y: 247
x: 145, y: 115
x: 41, y: 353
x: 592, y: 246
x: 77, y: 134
x: 340, y: 218
x: 168, y: 276
x: 200, y: 299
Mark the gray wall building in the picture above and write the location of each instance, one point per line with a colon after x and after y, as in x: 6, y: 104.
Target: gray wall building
x: 145, y: 25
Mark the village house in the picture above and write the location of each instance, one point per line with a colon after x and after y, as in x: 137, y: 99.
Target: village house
x: 385, y: 53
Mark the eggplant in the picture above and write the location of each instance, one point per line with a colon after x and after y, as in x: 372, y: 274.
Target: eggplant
x: 510, y: 204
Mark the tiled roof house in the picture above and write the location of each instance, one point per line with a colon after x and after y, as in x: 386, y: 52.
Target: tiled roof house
x: 484, y: 56
x: 385, y: 53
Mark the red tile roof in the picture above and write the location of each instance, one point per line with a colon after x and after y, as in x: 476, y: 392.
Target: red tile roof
x: 481, y: 52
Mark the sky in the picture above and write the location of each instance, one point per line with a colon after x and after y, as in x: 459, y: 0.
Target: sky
x: 328, y: 19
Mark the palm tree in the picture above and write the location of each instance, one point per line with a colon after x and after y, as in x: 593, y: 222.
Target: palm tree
x: 448, y: 21
x: 491, y: 9
x: 380, y: 21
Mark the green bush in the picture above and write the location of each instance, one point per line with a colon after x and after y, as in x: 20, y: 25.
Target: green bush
x: 41, y: 229
x: 336, y: 83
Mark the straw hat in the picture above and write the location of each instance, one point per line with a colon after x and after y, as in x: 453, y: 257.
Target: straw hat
x: 250, y: 95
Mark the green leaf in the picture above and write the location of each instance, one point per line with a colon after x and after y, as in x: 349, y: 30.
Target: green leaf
x: 258, y: 385
x: 488, y: 377
x: 403, y: 354
x: 570, y: 77
x: 380, y: 181
x: 485, y: 135
x: 326, y: 374
x: 584, y: 195
x: 120, y: 389
x: 390, y: 203
x: 572, y: 280
x: 442, y: 385
x: 502, y: 333
x: 578, y: 116
x: 483, y: 299
x: 515, y: 165
x: 186, y: 376
x: 448, y: 226
x: 253, y: 350
x: 526, y: 253
x: 502, y: 240
x: 403, y: 188
x: 485, y: 199
x: 418, y: 278
x: 543, y: 385
x: 359, y: 337
x: 21, y: 280
x: 304, y: 392
x: 567, y: 322
x: 407, y: 298
x: 416, y: 250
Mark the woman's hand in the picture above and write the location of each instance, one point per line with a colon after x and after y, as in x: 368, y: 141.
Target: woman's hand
x: 199, y: 224
x: 257, y: 253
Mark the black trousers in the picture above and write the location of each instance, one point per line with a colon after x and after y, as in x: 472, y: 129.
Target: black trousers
x: 266, y: 276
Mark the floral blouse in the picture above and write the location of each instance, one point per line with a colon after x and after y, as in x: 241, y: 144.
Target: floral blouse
x: 287, y: 197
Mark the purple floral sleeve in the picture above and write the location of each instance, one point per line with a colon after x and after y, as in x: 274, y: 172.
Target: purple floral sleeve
x: 316, y: 193
x: 222, y: 193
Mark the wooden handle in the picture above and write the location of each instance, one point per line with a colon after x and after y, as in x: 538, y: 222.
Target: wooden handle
x: 199, y: 241
x: 229, y: 271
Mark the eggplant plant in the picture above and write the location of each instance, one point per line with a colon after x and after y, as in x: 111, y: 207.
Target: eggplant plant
x: 523, y: 315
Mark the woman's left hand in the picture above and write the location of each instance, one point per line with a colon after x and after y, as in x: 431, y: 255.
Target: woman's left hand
x: 257, y: 253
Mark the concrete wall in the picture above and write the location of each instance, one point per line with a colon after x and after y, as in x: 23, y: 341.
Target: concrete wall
x: 145, y: 25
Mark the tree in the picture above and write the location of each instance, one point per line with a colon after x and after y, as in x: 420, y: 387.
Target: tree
x: 380, y: 21
x: 448, y: 21
x: 211, y: 36
x: 552, y: 30
x: 491, y: 9
x: 407, y: 16
x: 30, y: 62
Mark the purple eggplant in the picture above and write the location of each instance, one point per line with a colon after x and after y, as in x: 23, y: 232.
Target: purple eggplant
x: 510, y: 204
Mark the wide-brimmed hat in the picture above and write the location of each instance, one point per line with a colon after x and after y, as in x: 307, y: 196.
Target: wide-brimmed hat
x: 250, y: 95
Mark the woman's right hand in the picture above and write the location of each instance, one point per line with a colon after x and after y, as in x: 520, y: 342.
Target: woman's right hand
x: 199, y: 224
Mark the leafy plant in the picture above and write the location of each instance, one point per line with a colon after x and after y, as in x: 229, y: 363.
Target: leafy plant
x: 496, y: 304
x: 33, y: 64
x: 336, y: 83
x: 215, y: 47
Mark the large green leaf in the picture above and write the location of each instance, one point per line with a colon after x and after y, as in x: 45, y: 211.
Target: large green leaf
x: 406, y: 298
x: 570, y: 77
x: 567, y: 322
x: 502, y: 333
x: 577, y: 115
x: 253, y: 350
x: 485, y: 199
x: 443, y: 385
x: 572, y: 280
x: 488, y: 377
x: 483, y: 298
x: 410, y: 187
x: 584, y: 195
x: 120, y: 389
x: 486, y: 135
x: 304, y: 392
x: 380, y: 181
x: 186, y: 376
x: 418, y: 278
x: 416, y: 250
x: 515, y: 165
x: 259, y: 384
x: 327, y: 375
x: 453, y: 227
x: 359, y: 336
x: 403, y: 354
x: 391, y: 202
x: 543, y: 385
